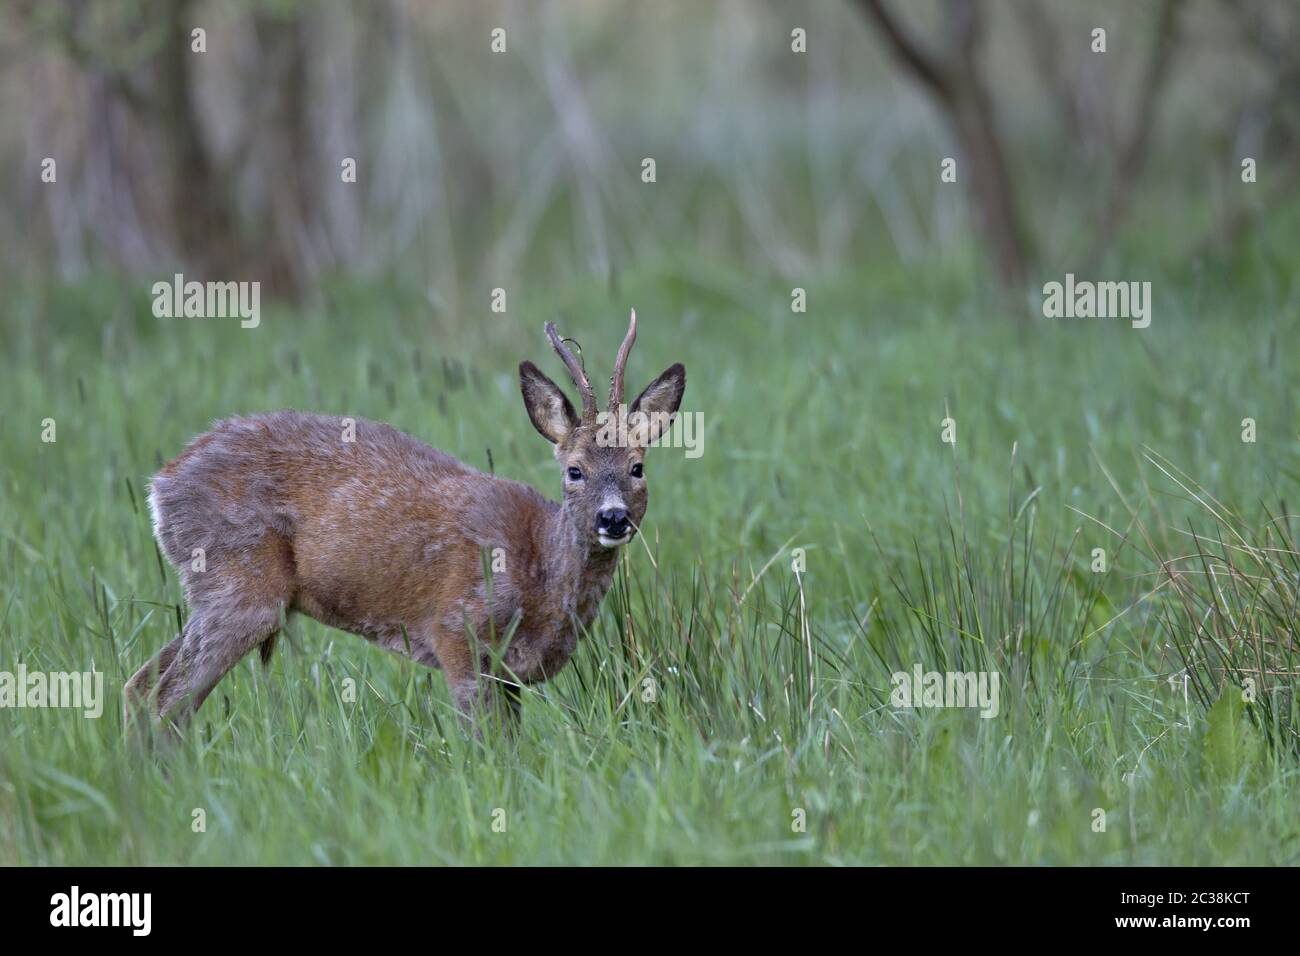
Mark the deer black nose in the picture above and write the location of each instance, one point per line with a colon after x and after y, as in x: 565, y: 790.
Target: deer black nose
x: 612, y: 522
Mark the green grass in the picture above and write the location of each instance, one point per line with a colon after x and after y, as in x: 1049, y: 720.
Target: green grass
x: 771, y: 687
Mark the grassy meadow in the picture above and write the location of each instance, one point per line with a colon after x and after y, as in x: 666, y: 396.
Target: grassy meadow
x: 732, y: 704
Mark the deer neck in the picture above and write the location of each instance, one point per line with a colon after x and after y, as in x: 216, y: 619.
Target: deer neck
x: 581, y: 571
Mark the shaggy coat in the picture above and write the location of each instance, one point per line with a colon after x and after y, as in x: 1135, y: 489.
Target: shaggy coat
x: 369, y: 530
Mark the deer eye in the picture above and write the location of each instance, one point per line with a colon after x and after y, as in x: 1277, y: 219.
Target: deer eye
x: 575, y: 474
x: 637, y: 470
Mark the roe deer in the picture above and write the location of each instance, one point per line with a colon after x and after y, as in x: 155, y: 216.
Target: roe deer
x: 385, y: 537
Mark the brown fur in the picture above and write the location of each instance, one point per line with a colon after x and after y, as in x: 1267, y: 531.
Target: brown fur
x: 386, y: 537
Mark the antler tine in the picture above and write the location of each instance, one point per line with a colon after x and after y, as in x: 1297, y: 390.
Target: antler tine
x: 620, y: 364
x: 575, y: 372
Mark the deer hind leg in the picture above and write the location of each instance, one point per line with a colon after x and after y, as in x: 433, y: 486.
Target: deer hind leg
x: 237, y: 605
x: 215, y: 641
x: 138, y: 694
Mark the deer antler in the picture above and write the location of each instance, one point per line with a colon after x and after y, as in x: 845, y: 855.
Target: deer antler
x: 575, y: 372
x: 620, y: 363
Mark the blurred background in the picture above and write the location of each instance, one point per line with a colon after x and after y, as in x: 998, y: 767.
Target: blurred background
x: 478, y: 169
x: 1113, y: 530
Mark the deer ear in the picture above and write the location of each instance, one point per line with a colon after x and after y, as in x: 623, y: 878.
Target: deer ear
x: 652, y: 413
x: 549, y: 408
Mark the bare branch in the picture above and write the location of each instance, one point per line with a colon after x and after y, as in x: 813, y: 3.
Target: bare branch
x: 1045, y: 45
x: 1133, y: 146
x: 959, y: 89
x: 923, y: 64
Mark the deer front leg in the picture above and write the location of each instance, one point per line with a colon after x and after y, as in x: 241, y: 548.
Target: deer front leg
x: 481, y: 698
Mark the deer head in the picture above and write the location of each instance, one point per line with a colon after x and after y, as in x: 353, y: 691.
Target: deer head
x: 602, y: 456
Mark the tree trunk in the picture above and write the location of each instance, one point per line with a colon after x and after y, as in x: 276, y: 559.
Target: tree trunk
x: 991, y: 187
